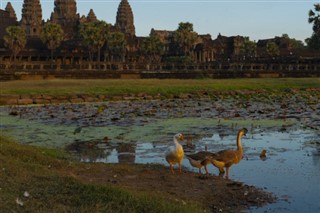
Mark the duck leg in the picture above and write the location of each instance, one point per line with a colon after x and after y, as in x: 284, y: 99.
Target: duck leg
x: 180, y: 168
x: 200, y: 171
x: 227, y: 172
x: 171, y: 168
x: 205, y: 168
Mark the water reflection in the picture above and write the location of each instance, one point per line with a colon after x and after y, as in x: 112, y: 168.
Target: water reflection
x: 102, y: 151
x: 126, y: 152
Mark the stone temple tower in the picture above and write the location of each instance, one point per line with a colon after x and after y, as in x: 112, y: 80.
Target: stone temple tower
x: 31, y: 18
x: 11, y: 11
x: 124, y: 19
x: 65, y: 14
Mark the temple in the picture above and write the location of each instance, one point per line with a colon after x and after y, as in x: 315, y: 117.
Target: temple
x: 206, y: 53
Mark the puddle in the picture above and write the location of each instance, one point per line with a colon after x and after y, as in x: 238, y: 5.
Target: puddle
x: 140, y: 132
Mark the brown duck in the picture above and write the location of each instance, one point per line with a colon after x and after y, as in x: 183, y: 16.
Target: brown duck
x: 201, y: 159
x: 226, y: 158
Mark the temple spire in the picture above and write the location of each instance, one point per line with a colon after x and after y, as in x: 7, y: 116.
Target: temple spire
x: 65, y: 14
x: 91, y: 16
x: 124, y: 19
x: 11, y: 11
x: 31, y: 19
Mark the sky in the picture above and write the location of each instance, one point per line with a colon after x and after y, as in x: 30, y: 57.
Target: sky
x: 258, y: 19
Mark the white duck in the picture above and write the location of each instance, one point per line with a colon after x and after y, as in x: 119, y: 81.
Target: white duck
x: 175, y: 154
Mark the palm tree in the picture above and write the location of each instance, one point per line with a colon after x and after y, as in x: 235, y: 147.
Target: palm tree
x: 152, y: 48
x: 94, y: 35
x: 314, y: 17
x: 116, y: 45
x: 15, y: 40
x: 52, y: 35
x: 185, y: 37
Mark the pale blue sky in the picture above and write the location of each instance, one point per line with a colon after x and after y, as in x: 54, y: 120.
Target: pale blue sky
x: 258, y: 19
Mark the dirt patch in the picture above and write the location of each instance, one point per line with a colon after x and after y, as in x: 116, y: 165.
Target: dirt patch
x: 214, y: 193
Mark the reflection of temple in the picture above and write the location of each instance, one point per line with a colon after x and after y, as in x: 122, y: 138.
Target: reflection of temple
x: 126, y: 153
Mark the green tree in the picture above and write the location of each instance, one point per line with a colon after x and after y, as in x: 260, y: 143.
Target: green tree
x: 15, y: 40
x: 116, y: 45
x: 314, y: 17
x: 293, y: 43
x: 185, y: 37
x: 272, y: 49
x: 152, y: 48
x: 248, y: 48
x: 52, y: 35
x: 94, y: 35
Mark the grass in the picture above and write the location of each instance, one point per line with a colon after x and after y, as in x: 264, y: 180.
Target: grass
x: 46, y: 174
x: 150, y: 86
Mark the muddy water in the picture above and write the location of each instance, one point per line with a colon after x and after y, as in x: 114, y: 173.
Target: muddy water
x: 141, y: 132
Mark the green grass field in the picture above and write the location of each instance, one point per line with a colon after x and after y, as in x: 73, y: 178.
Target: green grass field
x: 151, y: 86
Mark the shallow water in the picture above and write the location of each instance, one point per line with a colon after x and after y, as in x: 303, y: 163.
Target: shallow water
x: 291, y: 169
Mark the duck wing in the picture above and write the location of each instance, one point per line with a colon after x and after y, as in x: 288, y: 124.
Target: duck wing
x: 200, y: 155
x: 171, y: 153
x: 228, y: 156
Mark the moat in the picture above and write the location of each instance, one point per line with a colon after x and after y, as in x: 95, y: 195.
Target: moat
x: 140, y: 132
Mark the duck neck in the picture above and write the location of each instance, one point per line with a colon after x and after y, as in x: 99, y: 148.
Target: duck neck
x: 239, y: 145
x: 175, y: 141
x: 177, y: 144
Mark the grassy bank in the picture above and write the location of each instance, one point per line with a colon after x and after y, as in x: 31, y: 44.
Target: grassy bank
x: 151, y: 86
x: 49, y: 178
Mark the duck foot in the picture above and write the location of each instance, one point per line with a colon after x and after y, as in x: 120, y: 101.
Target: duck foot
x: 203, y: 177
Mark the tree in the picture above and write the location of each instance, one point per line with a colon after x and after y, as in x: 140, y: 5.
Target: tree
x: 248, y: 48
x: 272, y: 49
x: 15, y: 40
x: 185, y: 37
x: 52, y: 35
x: 94, y: 35
x: 314, y: 42
x: 314, y: 17
x: 116, y: 45
x: 293, y: 43
x: 152, y: 48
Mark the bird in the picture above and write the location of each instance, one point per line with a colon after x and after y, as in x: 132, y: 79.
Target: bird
x: 175, y: 153
x: 226, y: 158
x: 200, y: 159
x: 263, y: 155
x: 189, y: 146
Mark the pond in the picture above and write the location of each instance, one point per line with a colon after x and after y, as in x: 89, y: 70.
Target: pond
x: 140, y: 132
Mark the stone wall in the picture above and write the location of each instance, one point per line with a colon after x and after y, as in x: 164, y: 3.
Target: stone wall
x: 164, y: 74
